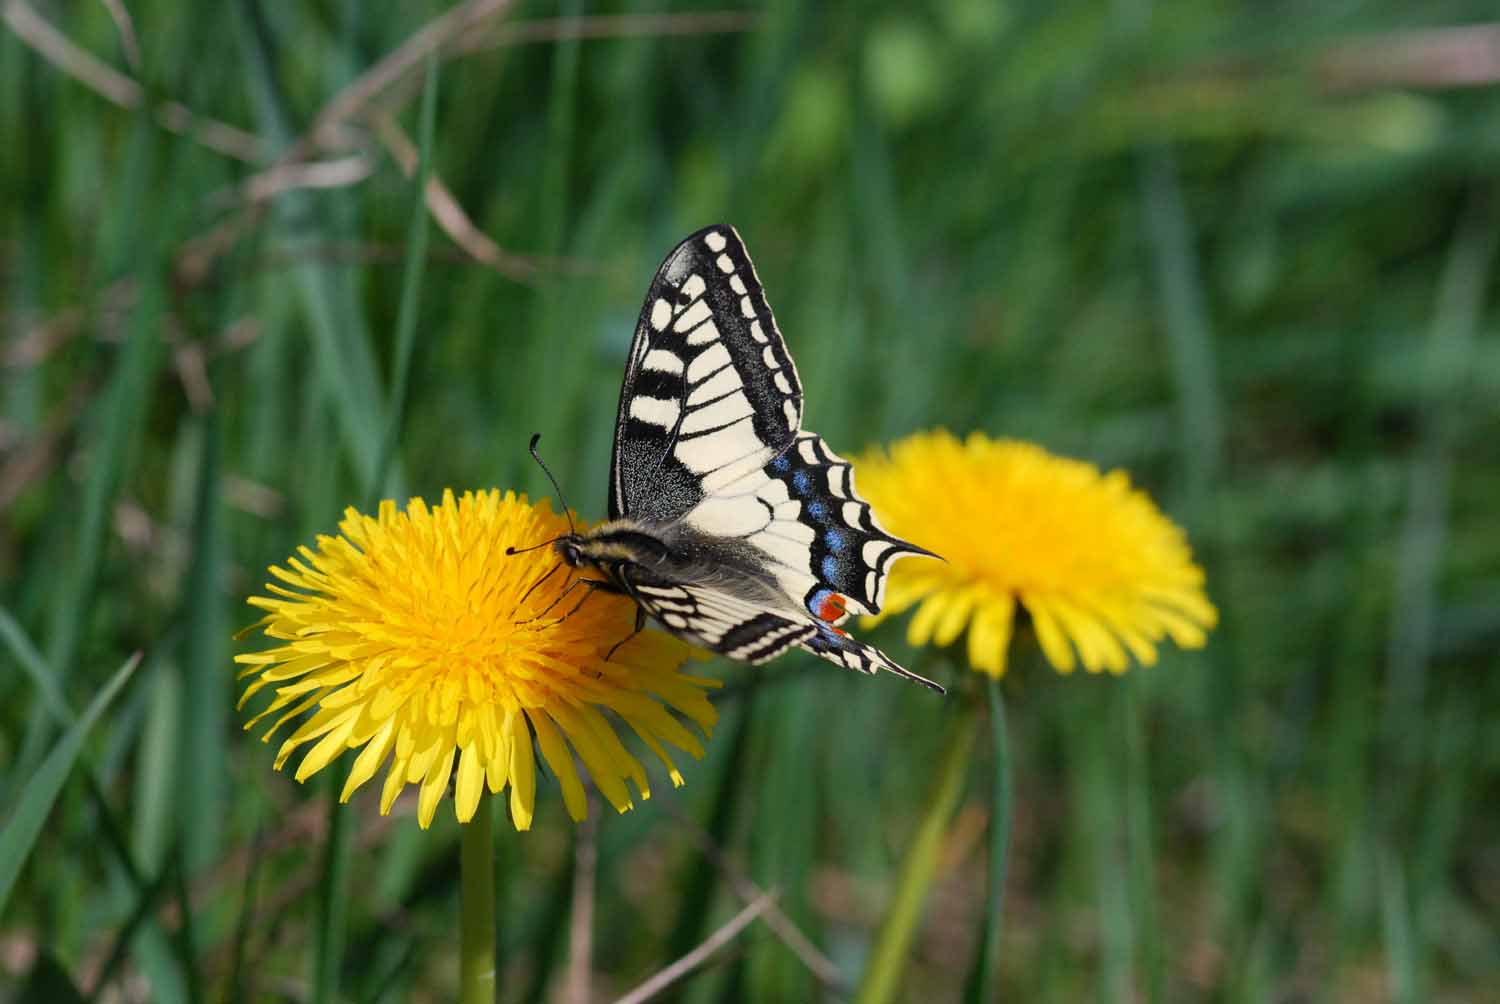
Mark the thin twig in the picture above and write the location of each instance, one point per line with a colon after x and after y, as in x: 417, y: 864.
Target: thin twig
x: 119, y: 89
x: 275, y: 180
x: 253, y: 497
x: 126, y: 27
x: 555, y: 29
x: 692, y: 960
x: 190, y: 360
x: 359, y: 92
x: 34, y: 459
x: 200, y: 253
x: 1434, y: 58
x: 55, y: 47
x: 785, y: 929
x: 41, y: 339
x: 445, y: 208
x: 329, y: 128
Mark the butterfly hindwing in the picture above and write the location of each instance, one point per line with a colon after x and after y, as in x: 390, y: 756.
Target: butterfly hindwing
x: 710, y: 392
x: 711, y: 618
x: 848, y: 554
x: 840, y: 649
x: 714, y: 619
x: 819, y: 538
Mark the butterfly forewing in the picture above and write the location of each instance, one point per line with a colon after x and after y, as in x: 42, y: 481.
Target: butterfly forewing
x: 710, y: 393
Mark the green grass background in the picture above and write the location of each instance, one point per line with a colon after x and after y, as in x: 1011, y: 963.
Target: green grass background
x: 1244, y: 250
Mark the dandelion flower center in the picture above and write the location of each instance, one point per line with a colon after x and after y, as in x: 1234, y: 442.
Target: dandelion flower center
x: 415, y: 638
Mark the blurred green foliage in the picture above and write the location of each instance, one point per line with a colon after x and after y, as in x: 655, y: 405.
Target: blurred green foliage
x: 1244, y: 250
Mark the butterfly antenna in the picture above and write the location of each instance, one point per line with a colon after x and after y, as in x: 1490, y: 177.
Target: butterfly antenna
x: 536, y: 437
x: 572, y: 530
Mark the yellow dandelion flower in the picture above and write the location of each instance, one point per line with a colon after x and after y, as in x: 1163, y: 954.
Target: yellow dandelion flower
x: 1101, y: 572
x: 414, y: 638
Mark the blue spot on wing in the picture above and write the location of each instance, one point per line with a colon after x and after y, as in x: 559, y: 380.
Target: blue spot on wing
x: 817, y: 510
x: 830, y: 567
x: 781, y: 463
x: 835, y: 540
x: 815, y: 602
x: 800, y: 481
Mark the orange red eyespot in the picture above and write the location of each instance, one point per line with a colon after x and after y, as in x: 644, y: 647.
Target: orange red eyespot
x: 831, y: 607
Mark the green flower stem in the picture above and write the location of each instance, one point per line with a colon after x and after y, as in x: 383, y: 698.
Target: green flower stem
x: 476, y: 864
x: 882, y: 977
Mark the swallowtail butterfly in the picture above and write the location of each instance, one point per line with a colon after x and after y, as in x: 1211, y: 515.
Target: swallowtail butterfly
x: 729, y: 524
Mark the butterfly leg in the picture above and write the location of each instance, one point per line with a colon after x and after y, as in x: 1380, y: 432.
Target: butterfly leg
x: 640, y: 623
x: 532, y: 588
x: 591, y: 585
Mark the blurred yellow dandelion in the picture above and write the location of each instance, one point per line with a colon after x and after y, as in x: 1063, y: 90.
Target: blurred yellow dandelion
x: 1103, y: 574
x: 413, y: 637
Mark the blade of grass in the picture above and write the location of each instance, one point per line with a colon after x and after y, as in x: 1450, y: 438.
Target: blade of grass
x: 551, y: 933
x: 1456, y: 321
x: 186, y: 940
x: 142, y: 909
x: 345, y: 362
x: 1185, y: 316
x: 240, y: 983
x: 113, y: 427
x: 412, y: 270
x: 787, y: 734
x: 700, y: 888
x: 984, y: 981
x: 154, y: 805
x: 333, y: 896
x: 1138, y: 829
x: 49, y: 981
x: 109, y: 827
x: 1176, y: 273
x: 881, y: 981
x: 205, y: 688
x: 552, y: 311
x: 1448, y: 808
x: 31, y: 661
x: 579, y: 965
x: 41, y: 790
x: 1395, y: 913
x: 1447, y: 362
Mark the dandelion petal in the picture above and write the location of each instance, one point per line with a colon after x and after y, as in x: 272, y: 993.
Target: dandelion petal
x: 412, y: 638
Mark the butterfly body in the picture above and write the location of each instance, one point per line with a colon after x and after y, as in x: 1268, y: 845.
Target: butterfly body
x: 729, y: 524
x: 636, y: 558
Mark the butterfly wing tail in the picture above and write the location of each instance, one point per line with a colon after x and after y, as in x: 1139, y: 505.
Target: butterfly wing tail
x: 842, y: 650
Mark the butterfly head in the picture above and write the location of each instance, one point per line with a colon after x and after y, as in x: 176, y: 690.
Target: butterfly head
x: 612, y: 543
x: 571, y: 550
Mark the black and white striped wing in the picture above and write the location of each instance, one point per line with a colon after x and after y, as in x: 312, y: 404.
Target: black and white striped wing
x: 722, y: 623
x: 709, y: 439
x: 819, y: 538
x: 716, y: 620
x: 710, y: 393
